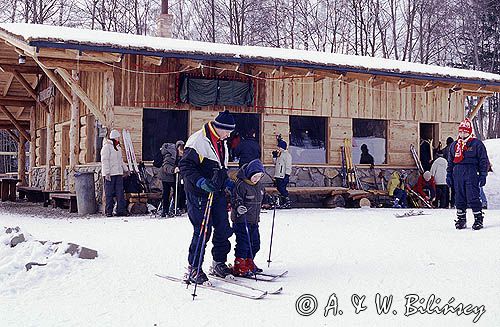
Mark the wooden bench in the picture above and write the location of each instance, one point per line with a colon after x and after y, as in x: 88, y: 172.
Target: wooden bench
x: 46, y: 196
x: 64, y: 200
x: 8, y: 188
x: 32, y: 194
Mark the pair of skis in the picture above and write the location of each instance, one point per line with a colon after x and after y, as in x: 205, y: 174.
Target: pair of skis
x: 414, y: 154
x: 351, y: 180
x: 410, y: 213
x: 248, y: 292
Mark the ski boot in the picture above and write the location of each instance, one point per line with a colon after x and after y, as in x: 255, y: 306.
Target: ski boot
x: 241, y: 268
x: 461, y: 221
x: 193, y: 277
x: 478, y: 220
x: 253, y: 268
x: 220, y: 269
x: 396, y: 203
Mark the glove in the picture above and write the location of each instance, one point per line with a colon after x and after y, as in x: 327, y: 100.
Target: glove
x: 206, y: 185
x: 482, y: 180
x: 449, y: 181
x: 108, y: 177
x: 275, y: 154
x: 219, y: 178
x: 241, y: 209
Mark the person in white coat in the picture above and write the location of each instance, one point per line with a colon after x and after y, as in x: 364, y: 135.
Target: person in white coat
x: 282, y: 171
x: 113, y: 169
x: 438, y: 171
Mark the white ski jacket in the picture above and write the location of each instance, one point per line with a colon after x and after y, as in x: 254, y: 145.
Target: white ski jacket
x: 112, y: 160
x: 438, y: 170
x: 283, y: 164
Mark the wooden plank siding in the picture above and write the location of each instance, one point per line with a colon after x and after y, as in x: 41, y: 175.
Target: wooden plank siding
x: 139, y: 84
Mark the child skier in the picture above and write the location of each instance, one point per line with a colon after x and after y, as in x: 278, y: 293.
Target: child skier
x: 247, y: 199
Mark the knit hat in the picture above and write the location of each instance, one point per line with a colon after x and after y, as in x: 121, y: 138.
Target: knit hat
x: 114, y: 134
x: 179, y: 143
x: 449, y: 140
x: 427, y: 176
x: 253, y: 167
x: 465, y: 126
x: 282, y: 144
x: 225, y: 121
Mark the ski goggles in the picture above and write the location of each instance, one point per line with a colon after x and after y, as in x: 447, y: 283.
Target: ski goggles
x: 256, y: 177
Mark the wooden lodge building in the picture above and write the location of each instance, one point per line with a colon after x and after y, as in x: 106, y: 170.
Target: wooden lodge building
x: 63, y: 88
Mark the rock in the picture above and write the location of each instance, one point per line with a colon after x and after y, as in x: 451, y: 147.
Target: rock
x: 16, y: 240
x: 82, y: 252
x: 30, y: 265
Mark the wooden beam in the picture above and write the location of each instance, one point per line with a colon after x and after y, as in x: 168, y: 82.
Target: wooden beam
x: 20, y: 112
x: 69, y: 64
x: 15, y: 122
x: 17, y: 102
x: 32, y: 145
x: 8, y: 125
x: 29, y: 89
x: 16, y: 43
x: 157, y: 61
x: 477, y: 93
x: 478, y: 106
x: 9, y: 65
x: 74, y: 135
x: 50, y: 144
x: 77, y: 55
x: 53, y: 78
x: 21, y: 161
x: 13, y: 135
x: 8, y: 84
x: 81, y: 94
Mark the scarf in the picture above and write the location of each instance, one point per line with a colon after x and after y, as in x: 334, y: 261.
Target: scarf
x: 217, y: 143
x: 116, y: 143
x: 460, y: 148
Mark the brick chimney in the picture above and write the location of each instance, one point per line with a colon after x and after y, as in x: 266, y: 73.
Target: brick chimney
x: 165, y: 21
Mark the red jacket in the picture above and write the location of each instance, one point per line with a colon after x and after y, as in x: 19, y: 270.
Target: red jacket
x: 423, y: 184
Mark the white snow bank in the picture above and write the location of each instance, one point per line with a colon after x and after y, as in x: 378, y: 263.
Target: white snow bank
x: 14, y: 276
x: 492, y: 188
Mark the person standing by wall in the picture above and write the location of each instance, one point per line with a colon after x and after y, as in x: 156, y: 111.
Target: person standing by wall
x: 248, y: 149
x: 467, y: 171
x: 113, y: 169
x: 366, y: 158
x: 181, y: 195
x: 438, y: 171
x: 204, y: 170
x: 166, y: 174
x: 283, y: 168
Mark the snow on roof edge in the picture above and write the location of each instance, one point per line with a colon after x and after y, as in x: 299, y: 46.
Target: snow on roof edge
x: 68, y: 35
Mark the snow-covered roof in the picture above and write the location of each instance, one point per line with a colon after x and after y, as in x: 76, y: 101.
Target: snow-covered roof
x: 66, y: 37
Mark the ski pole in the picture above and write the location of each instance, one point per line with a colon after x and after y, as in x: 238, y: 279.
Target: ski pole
x: 272, y: 233
x: 176, y: 185
x: 204, y: 226
x: 249, y: 243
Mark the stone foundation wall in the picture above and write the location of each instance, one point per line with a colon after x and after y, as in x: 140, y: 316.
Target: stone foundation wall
x: 301, y: 177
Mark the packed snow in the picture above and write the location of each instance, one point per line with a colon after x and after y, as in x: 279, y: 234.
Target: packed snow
x: 32, y: 32
x: 341, y: 251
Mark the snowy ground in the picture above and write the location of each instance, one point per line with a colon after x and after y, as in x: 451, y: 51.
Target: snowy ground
x: 346, y: 252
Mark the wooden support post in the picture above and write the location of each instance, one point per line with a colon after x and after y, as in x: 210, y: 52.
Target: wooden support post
x: 50, y: 144
x: 109, y: 99
x: 32, y: 144
x: 74, y: 139
x: 21, y: 161
x: 473, y: 113
x: 81, y: 94
x: 14, y: 121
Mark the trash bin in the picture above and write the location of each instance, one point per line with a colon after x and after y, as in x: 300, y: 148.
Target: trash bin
x: 85, y: 193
